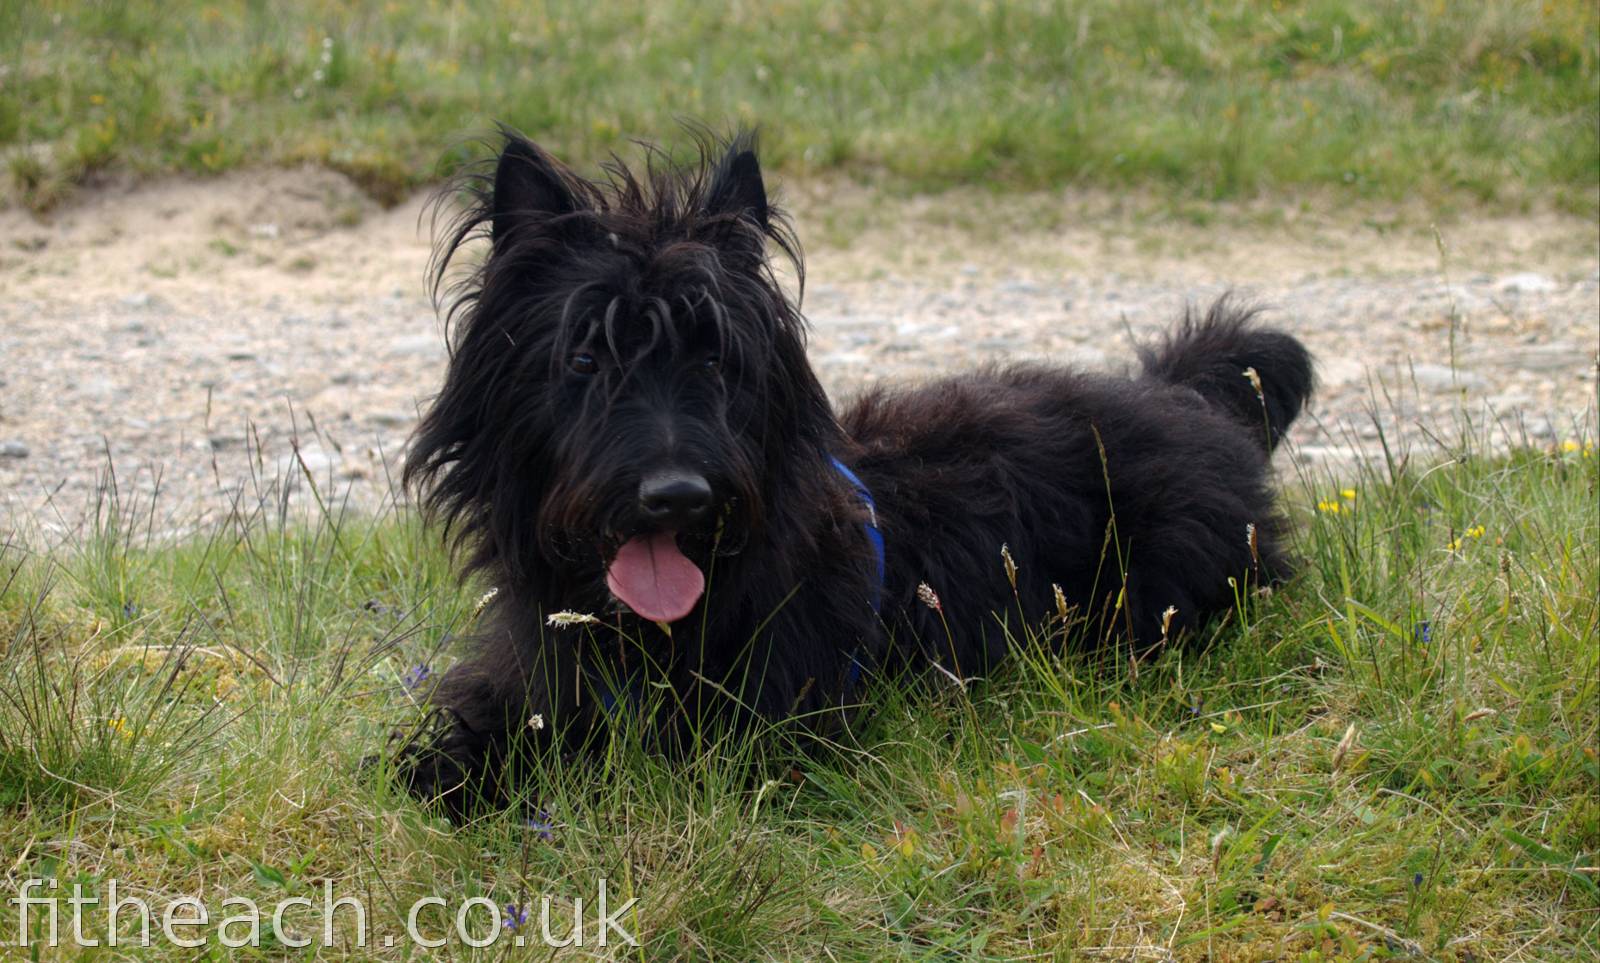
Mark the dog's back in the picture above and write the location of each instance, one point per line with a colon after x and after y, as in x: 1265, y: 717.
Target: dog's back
x: 1142, y: 499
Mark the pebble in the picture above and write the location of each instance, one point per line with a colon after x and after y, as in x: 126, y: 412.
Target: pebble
x: 1545, y: 356
x: 1438, y: 377
x: 12, y: 448
x: 1341, y: 371
x: 416, y: 346
x: 1527, y: 282
x: 1328, y: 453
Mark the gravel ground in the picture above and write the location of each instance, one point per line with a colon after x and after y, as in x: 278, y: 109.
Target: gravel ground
x: 198, y: 333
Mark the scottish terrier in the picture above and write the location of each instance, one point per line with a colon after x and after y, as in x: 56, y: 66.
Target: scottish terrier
x: 631, y: 445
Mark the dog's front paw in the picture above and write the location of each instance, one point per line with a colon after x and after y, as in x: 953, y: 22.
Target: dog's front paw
x: 445, y: 766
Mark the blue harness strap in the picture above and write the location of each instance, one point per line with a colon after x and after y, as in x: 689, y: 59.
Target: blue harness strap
x: 874, y: 534
x: 875, y: 538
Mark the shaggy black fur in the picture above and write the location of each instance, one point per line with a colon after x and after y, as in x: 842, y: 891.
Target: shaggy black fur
x: 617, y: 330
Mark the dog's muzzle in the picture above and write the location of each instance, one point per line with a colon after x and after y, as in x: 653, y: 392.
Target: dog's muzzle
x: 649, y: 573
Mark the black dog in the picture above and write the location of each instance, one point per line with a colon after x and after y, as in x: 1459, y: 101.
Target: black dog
x: 630, y: 437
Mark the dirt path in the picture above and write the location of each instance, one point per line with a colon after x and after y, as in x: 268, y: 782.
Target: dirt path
x: 177, y: 324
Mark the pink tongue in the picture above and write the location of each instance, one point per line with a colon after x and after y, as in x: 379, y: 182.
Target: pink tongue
x: 654, y: 579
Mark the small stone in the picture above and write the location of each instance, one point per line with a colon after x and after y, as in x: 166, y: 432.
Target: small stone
x: 1546, y: 356
x: 390, y: 419
x: 12, y: 448
x: 1082, y: 356
x: 1341, y: 371
x: 1527, y: 282
x: 1509, y: 400
x: 1438, y: 377
x: 1328, y: 453
x: 99, y: 388
x: 320, y: 464
x: 417, y: 346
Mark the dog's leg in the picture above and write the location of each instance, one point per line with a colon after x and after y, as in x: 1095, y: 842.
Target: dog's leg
x: 492, y: 715
x: 450, y: 760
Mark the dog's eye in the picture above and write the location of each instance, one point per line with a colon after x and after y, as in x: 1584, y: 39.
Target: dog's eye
x: 712, y: 364
x: 583, y: 364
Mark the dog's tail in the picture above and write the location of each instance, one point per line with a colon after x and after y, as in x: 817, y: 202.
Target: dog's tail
x: 1259, y: 377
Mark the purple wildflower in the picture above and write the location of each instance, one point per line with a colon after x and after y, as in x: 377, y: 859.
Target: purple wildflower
x: 1416, y: 880
x: 515, y: 917
x: 542, y: 823
x: 416, y: 675
x: 1424, y: 632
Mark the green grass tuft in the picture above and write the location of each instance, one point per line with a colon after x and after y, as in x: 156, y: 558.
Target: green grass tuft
x: 1392, y: 754
x: 1492, y: 101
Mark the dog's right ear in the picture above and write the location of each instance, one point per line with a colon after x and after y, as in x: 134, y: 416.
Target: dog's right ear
x: 528, y: 183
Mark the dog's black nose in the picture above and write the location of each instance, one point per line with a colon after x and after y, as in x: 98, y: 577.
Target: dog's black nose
x: 674, y: 499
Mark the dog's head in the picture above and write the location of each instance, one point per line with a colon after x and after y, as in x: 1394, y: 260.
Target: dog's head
x: 627, y: 376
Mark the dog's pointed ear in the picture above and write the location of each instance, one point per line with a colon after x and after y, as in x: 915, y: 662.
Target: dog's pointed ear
x: 528, y: 183
x: 736, y: 187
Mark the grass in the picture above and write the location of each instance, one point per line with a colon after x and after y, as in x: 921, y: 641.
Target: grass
x: 1392, y: 756
x: 1491, y: 101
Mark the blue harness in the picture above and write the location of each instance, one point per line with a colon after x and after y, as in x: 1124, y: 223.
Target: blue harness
x: 874, y: 534
x: 874, y: 538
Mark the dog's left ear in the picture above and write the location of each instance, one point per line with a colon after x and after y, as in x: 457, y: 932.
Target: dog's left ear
x: 736, y: 186
x: 529, y: 185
